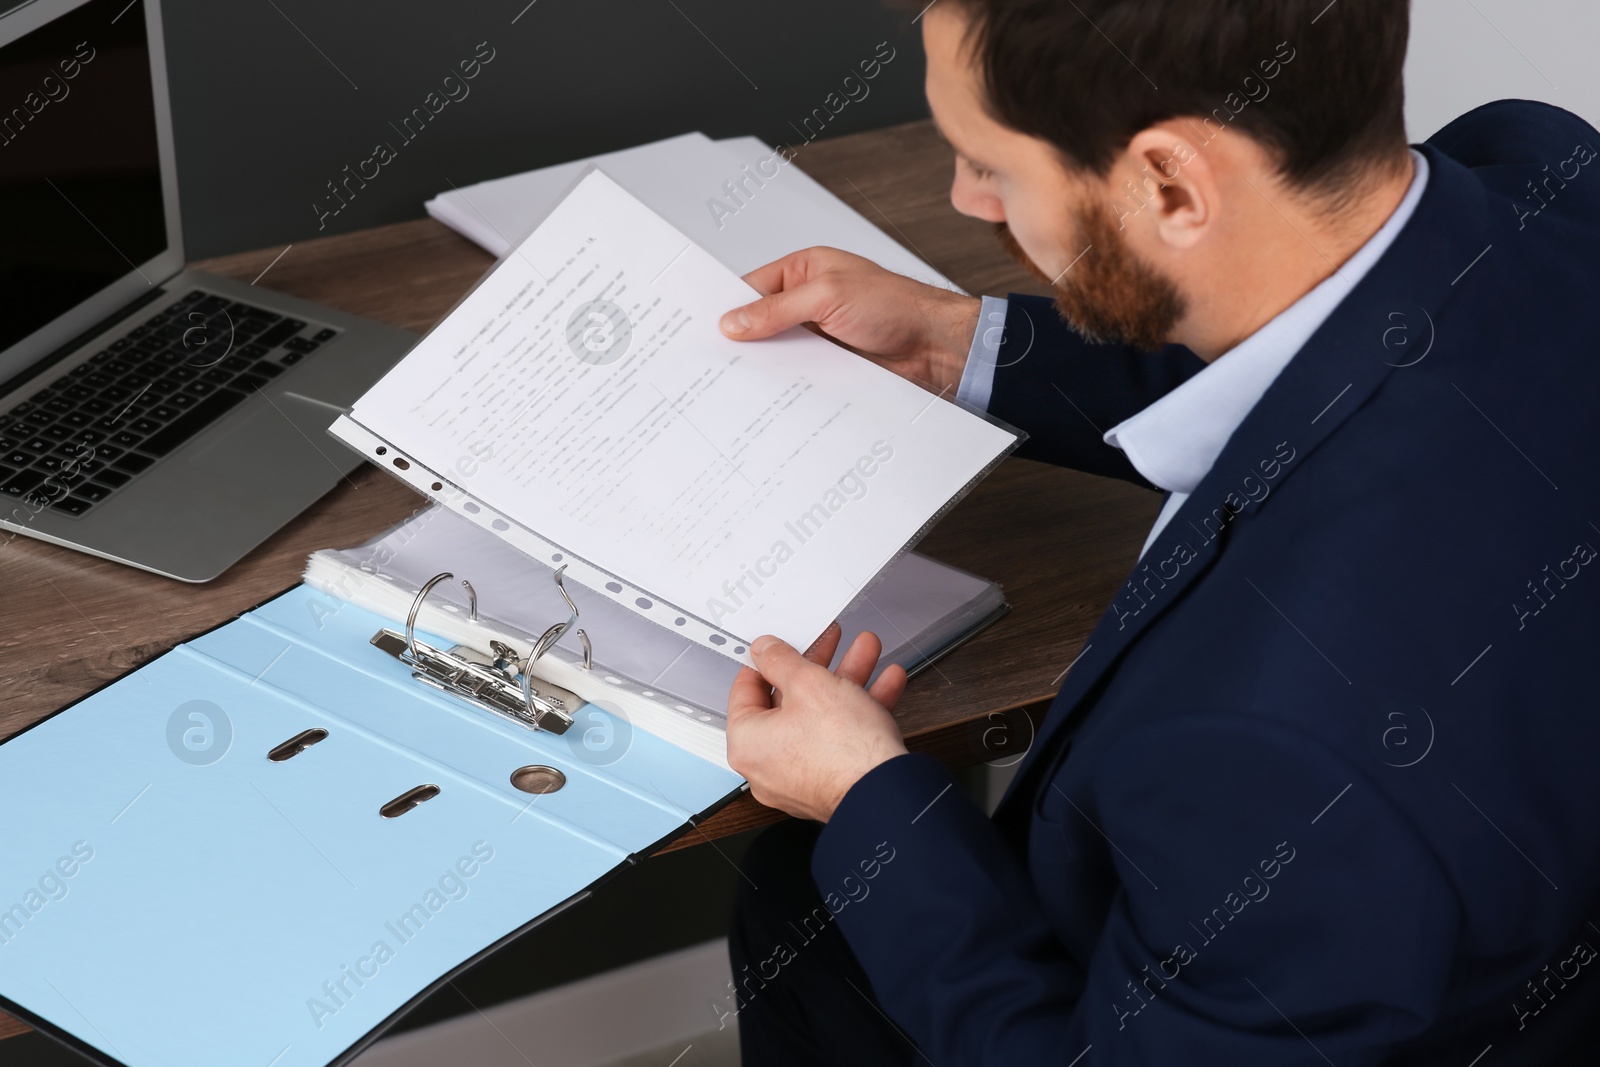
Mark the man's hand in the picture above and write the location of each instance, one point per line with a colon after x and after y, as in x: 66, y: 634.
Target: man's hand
x: 918, y: 331
x: 801, y: 734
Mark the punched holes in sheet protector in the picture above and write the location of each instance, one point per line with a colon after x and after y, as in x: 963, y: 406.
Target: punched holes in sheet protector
x: 536, y: 778
x: 297, y: 744
x: 408, y: 800
x: 401, y: 463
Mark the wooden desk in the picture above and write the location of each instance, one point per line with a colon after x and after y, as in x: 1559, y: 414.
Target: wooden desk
x: 1059, y: 541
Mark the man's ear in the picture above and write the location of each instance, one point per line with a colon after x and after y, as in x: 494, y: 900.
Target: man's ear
x: 1179, y: 183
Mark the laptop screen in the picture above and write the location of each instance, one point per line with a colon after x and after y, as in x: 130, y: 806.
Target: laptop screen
x: 80, y: 179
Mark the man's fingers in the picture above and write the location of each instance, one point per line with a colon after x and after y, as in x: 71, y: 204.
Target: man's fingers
x: 890, y: 686
x: 861, y: 658
x: 778, y: 661
x: 796, y: 268
x: 751, y: 693
x: 780, y: 274
x: 823, y: 648
x: 804, y: 286
x: 773, y: 314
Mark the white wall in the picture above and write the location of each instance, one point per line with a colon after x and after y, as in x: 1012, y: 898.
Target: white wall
x: 1468, y: 52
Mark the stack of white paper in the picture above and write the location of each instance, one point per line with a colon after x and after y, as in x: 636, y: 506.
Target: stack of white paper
x: 738, y: 199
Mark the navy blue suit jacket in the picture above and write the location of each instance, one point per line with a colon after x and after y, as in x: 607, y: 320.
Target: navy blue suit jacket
x: 1323, y: 786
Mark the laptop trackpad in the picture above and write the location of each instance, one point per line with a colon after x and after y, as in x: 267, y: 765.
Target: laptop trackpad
x: 283, y: 440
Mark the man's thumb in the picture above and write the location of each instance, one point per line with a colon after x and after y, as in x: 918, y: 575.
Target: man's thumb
x: 777, y: 660
x: 769, y: 315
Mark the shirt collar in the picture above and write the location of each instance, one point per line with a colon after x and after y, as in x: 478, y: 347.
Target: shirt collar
x: 1174, y: 441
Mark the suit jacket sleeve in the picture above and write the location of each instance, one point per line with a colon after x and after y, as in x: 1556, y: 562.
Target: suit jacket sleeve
x: 1066, y: 392
x: 1250, y: 920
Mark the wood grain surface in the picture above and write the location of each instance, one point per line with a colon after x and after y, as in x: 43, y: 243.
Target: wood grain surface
x: 1058, y: 541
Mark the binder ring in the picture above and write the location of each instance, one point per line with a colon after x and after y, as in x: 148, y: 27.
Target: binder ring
x: 556, y: 632
x: 416, y: 608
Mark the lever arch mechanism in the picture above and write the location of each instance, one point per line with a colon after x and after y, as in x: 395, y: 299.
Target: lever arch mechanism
x: 491, y: 680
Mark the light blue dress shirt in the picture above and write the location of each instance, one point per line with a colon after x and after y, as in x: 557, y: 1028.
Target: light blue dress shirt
x: 1175, y: 440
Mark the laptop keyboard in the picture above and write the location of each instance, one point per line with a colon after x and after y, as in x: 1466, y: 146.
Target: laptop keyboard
x: 95, y: 428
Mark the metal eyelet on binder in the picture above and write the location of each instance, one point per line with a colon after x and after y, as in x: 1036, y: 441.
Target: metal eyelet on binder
x: 490, y: 680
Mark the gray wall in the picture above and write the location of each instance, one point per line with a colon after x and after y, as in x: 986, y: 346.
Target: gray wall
x: 1465, y: 54
x: 268, y: 110
x: 272, y: 98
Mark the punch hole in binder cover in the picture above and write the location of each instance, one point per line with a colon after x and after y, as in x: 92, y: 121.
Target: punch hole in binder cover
x: 262, y: 846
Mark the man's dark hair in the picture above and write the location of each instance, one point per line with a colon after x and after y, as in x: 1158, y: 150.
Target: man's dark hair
x: 1320, y: 86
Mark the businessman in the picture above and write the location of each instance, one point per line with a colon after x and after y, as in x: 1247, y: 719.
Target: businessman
x: 1322, y: 785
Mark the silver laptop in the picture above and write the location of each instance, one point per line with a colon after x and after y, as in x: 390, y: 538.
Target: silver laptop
x: 161, y: 417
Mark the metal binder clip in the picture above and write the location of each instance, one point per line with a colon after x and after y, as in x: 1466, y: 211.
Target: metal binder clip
x: 489, y: 680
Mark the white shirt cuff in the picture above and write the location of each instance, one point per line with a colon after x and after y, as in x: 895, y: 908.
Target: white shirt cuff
x: 977, y: 377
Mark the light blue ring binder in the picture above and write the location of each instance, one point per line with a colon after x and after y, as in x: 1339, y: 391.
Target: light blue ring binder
x: 225, y: 908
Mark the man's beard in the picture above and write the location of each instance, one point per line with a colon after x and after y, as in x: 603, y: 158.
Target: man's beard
x: 1109, y: 296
